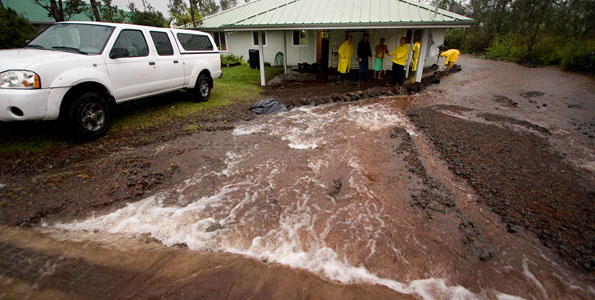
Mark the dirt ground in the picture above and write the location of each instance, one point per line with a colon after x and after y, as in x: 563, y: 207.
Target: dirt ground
x: 523, y: 139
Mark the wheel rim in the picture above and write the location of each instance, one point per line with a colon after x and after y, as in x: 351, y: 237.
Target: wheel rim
x: 204, y: 88
x: 93, y: 117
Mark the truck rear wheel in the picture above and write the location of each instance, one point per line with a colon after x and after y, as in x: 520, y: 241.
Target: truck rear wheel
x: 90, y: 116
x: 202, y: 90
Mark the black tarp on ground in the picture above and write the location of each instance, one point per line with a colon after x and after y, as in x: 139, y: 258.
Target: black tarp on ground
x: 267, y: 106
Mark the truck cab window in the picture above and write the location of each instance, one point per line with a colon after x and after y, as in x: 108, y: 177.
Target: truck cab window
x: 162, y: 43
x: 133, y: 41
x: 194, y: 42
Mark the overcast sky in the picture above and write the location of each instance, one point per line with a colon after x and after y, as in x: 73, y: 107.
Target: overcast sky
x: 160, y: 5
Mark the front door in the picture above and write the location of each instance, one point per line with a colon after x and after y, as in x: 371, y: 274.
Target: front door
x: 132, y: 72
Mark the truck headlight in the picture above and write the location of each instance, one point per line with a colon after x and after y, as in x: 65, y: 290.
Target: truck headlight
x: 17, y: 79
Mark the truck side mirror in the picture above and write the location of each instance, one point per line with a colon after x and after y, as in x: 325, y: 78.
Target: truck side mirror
x: 118, y: 52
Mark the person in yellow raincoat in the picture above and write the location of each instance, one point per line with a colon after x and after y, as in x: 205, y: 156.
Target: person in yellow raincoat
x: 415, y: 58
x: 452, y: 56
x: 399, y: 55
x: 345, y: 53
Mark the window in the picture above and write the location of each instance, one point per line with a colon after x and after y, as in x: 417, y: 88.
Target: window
x: 194, y: 42
x: 162, y: 43
x: 300, y: 38
x: 255, y: 35
x: 220, y: 41
x: 133, y: 41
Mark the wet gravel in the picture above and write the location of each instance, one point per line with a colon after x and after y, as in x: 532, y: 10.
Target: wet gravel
x: 434, y: 198
x: 520, y: 177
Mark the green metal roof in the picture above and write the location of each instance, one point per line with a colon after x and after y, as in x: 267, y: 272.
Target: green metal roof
x: 283, y: 14
x: 37, y: 14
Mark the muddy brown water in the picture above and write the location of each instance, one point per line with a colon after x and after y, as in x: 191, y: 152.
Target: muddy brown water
x: 318, y: 202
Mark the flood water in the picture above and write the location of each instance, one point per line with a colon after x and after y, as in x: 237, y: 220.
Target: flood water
x: 324, y: 189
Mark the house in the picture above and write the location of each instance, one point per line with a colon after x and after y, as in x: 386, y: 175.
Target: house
x: 311, y: 31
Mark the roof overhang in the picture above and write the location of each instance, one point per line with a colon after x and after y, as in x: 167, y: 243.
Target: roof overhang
x: 339, y: 26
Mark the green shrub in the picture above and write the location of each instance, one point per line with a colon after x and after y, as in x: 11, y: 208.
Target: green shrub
x: 14, y: 29
x: 506, y: 47
x: 478, y: 43
x: 579, y: 56
x: 231, y: 59
x: 454, y: 38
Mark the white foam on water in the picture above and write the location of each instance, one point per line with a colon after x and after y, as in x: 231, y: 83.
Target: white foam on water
x: 297, y: 239
x: 502, y: 296
x: 247, y: 129
x: 532, y: 277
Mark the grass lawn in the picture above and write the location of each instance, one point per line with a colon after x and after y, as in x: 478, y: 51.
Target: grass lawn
x: 238, y: 84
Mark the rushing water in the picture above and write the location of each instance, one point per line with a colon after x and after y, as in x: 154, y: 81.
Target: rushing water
x: 322, y: 189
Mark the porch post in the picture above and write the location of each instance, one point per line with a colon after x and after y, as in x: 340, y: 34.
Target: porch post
x: 285, y: 51
x: 410, y: 55
x: 425, y: 39
x: 261, y: 58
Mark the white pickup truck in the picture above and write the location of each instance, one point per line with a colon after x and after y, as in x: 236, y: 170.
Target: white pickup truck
x: 79, y: 71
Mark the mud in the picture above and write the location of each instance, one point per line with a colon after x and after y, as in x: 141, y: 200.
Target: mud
x: 520, y: 178
x: 54, y: 265
x: 442, y: 194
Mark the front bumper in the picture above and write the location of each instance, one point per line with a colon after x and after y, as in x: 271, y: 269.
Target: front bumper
x: 21, y: 104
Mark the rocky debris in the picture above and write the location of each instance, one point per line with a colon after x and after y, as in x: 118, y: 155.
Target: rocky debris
x: 505, y: 101
x: 532, y: 94
x: 586, y: 128
x: 519, y: 177
x: 575, y: 106
x: 214, y: 227
x: 504, y: 119
x: 324, y: 94
x: 336, y: 188
x: 434, y: 197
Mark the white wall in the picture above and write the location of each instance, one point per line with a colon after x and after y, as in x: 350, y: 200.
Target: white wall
x: 240, y: 42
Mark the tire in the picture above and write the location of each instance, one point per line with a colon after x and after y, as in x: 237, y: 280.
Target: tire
x: 202, y: 90
x: 90, y: 116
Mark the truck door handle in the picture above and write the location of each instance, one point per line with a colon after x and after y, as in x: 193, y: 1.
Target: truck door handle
x: 175, y: 61
x: 151, y: 63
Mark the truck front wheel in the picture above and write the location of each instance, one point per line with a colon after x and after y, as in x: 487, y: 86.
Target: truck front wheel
x: 202, y: 90
x: 90, y: 116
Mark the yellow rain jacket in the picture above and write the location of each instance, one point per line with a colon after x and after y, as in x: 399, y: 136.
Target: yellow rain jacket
x: 400, y: 54
x: 345, y: 53
x: 451, y: 56
x: 416, y: 49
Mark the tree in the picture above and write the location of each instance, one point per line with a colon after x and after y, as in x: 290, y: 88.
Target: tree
x: 227, y: 4
x: 149, y: 16
x: 111, y: 13
x: 15, y: 29
x: 95, y: 10
x: 207, y: 7
x: 62, y: 10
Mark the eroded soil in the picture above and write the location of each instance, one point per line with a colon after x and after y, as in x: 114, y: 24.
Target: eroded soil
x: 481, y: 186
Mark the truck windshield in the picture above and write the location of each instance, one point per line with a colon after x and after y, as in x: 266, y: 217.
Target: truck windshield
x: 72, y: 37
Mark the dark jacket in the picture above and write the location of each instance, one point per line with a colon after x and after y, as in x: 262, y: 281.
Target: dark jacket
x: 363, y: 49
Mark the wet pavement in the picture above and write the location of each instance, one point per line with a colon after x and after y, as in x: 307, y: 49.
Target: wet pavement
x: 340, y: 201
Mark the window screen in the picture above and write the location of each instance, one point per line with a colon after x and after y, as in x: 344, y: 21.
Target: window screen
x: 194, y: 42
x: 162, y: 43
x: 133, y: 41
